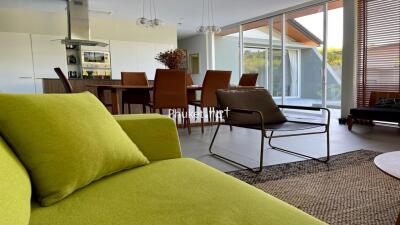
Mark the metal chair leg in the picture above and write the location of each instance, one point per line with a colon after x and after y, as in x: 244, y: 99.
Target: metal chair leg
x: 234, y: 162
x: 299, y: 154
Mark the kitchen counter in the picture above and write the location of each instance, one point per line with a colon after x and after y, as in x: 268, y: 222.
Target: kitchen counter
x: 54, y: 85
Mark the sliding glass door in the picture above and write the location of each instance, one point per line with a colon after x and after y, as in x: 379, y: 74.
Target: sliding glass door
x: 297, y: 54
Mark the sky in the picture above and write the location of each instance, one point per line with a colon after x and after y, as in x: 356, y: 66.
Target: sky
x: 315, y: 24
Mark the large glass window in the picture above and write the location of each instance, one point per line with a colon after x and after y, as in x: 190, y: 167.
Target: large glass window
x: 227, y: 54
x: 297, y: 55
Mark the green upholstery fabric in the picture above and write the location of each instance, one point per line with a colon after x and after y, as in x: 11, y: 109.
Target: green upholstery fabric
x: 66, y: 141
x: 154, y: 134
x: 15, y: 189
x: 170, y: 192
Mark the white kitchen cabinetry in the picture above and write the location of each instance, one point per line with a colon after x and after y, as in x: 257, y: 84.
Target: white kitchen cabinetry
x: 48, y: 53
x: 16, y: 67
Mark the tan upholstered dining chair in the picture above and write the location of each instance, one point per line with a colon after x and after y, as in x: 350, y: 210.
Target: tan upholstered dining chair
x: 248, y: 79
x: 170, y: 92
x: 213, y: 80
x: 130, y: 97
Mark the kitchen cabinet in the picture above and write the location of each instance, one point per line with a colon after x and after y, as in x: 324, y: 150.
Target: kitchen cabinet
x: 16, y: 66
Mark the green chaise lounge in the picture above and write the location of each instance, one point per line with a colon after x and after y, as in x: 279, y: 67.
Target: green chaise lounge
x: 171, y: 190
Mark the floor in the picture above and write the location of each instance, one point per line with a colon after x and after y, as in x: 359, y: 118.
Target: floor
x: 244, y: 145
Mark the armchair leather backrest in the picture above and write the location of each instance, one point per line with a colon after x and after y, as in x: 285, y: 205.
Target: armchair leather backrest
x: 250, y: 99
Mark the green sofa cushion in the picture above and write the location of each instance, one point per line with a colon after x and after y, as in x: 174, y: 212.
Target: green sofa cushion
x: 170, y: 192
x: 66, y: 141
x: 15, y: 189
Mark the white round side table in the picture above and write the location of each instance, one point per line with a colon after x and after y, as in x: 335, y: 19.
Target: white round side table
x: 389, y: 163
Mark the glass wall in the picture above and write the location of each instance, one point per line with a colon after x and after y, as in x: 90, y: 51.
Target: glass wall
x: 296, y: 54
x: 227, y: 54
x: 304, y: 60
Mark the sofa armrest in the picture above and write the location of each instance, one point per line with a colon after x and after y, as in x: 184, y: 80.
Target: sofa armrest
x: 154, y: 134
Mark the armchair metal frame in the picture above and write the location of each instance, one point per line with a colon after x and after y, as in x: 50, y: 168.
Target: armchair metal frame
x: 265, y: 129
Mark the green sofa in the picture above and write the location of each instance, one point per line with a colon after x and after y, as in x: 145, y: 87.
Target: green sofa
x: 170, y: 190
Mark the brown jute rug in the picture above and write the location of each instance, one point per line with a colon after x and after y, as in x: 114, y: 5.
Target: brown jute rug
x: 350, y: 189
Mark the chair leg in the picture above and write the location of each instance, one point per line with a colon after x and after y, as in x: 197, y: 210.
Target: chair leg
x: 144, y: 108
x: 187, y: 118
x: 302, y: 155
x: 349, y: 122
x: 195, y: 111
x: 176, y: 118
x: 230, y: 128
x: 182, y: 119
x: 237, y: 163
x: 209, y: 115
x: 129, y: 109
x: 202, y: 119
x: 123, y: 108
x: 213, y: 139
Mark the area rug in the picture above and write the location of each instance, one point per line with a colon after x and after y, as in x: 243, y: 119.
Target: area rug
x: 350, y: 189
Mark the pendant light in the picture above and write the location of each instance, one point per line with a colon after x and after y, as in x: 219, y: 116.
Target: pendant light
x: 211, y: 27
x: 153, y: 21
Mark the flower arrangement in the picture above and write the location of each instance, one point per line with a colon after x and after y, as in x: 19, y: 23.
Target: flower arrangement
x: 171, y: 58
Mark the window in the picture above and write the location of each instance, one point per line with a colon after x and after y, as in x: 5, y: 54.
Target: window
x: 378, y: 48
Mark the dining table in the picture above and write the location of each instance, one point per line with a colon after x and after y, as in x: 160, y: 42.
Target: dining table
x: 116, y: 89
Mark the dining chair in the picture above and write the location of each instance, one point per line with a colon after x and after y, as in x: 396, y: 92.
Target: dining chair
x: 213, y: 80
x: 134, y: 96
x: 248, y: 79
x: 170, y: 92
x: 64, y: 80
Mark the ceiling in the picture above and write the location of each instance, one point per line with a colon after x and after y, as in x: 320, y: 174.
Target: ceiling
x: 185, y: 14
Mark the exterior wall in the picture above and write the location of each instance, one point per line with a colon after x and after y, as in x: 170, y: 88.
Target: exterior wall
x: 196, y: 45
x: 311, y: 65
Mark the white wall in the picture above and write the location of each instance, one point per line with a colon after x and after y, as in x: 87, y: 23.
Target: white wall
x: 196, y: 45
x: 135, y: 56
x: 29, y: 51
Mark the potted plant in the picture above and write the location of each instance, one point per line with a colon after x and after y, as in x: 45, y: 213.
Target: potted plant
x: 171, y: 58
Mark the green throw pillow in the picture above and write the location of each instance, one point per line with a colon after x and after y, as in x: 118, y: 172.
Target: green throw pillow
x: 65, y: 141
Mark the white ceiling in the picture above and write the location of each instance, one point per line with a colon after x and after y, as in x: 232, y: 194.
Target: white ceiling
x: 188, y: 12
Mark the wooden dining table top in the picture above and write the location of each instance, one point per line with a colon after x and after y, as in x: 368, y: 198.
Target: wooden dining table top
x: 142, y: 87
x: 134, y: 87
x: 115, y: 89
